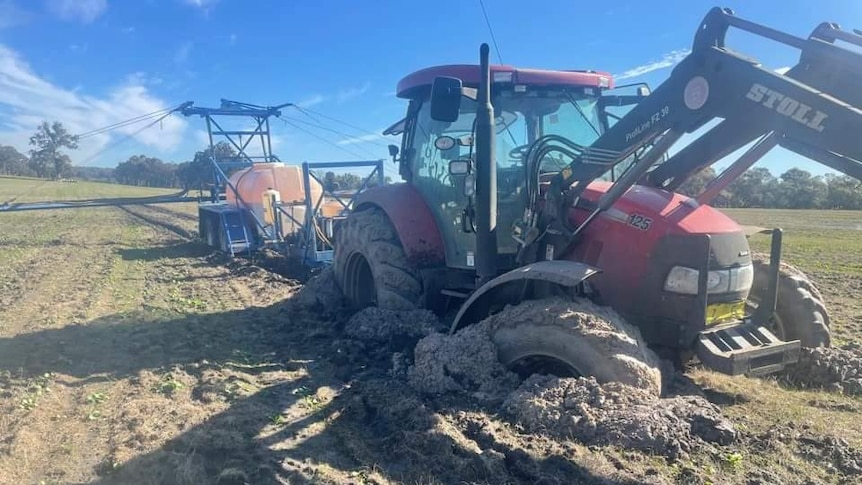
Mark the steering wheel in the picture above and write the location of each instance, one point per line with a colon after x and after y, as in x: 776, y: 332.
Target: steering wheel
x: 519, y: 152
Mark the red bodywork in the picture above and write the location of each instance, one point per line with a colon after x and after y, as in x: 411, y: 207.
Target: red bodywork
x: 469, y: 75
x: 623, y: 251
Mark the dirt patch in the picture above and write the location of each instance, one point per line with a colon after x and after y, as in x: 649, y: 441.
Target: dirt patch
x: 464, y: 362
x: 837, y: 369
x: 320, y: 295
x: 835, y: 454
x: 390, y: 327
x: 616, y: 414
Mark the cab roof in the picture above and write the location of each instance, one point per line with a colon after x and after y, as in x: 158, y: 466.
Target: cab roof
x: 420, y: 81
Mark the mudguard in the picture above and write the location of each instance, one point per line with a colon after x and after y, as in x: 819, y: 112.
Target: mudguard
x: 563, y: 273
x: 412, y: 219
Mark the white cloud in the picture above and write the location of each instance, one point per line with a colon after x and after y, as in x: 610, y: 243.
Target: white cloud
x: 128, y: 30
x: 349, y: 93
x: 668, y: 60
x: 81, y: 10
x: 376, y: 136
x: 11, y: 15
x: 200, y: 3
x: 183, y: 52
x: 202, y: 139
x: 26, y: 99
x: 311, y: 101
x: 360, y: 139
x: 143, y: 79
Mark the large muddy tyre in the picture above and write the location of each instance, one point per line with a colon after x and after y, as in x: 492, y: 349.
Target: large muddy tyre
x: 573, y: 338
x: 801, y: 313
x: 371, y: 266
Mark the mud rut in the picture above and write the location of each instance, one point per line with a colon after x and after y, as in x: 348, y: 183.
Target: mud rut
x: 222, y: 372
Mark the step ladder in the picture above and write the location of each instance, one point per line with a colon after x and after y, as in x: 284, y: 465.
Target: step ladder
x: 236, y: 237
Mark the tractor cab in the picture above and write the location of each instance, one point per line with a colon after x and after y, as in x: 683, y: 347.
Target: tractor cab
x: 438, y: 157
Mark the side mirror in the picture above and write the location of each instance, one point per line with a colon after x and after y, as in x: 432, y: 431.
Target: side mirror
x: 459, y: 167
x: 643, y: 91
x: 445, y: 99
x: 393, y: 151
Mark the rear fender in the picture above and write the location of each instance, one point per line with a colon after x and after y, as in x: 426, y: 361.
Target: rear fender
x: 512, y: 286
x: 411, y: 218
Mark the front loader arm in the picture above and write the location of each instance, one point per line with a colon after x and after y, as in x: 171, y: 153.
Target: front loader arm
x: 809, y: 110
x: 824, y: 66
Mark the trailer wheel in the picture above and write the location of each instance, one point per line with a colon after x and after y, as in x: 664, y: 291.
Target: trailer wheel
x: 571, y: 338
x: 801, y: 313
x: 370, y: 264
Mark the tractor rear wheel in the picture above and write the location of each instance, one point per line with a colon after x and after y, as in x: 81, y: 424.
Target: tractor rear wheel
x: 800, y: 313
x: 571, y: 338
x: 371, y: 266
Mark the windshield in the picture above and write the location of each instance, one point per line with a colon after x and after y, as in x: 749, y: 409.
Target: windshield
x: 521, y: 118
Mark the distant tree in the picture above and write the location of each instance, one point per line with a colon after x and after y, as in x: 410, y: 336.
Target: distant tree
x: 754, y: 188
x: 145, y: 171
x: 46, y: 158
x: 198, y: 173
x: 696, y: 184
x: 798, y: 189
x: 348, y: 181
x: 329, y: 182
x: 99, y: 174
x: 12, y: 162
x: 843, y: 192
x: 341, y: 181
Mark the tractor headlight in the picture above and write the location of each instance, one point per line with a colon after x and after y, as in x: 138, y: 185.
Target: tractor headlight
x: 734, y: 280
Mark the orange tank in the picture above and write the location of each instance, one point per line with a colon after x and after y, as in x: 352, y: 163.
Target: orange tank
x: 252, y: 182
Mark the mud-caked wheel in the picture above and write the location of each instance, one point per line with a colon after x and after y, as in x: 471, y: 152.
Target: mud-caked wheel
x: 371, y: 266
x: 801, y: 313
x: 570, y: 338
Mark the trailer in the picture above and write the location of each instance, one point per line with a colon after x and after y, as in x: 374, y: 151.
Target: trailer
x: 237, y: 222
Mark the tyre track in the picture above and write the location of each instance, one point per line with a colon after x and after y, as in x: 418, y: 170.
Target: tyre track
x: 153, y: 220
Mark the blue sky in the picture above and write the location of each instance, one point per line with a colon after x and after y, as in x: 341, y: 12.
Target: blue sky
x: 90, y: 63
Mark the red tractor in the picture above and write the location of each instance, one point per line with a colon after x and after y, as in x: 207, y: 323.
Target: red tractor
x: 524, y: 184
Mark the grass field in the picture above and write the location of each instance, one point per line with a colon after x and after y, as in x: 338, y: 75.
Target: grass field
x: 130, y: 354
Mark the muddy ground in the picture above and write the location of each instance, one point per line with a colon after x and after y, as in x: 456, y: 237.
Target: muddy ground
x: 130, y: 354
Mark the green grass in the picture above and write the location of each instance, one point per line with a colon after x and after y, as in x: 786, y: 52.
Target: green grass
x: 40, y: 190
x: 814, y: 240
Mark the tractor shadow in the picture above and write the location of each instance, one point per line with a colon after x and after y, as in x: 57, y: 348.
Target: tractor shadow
x: 174, y: 249
x: 303, y: 423
x: 374, y: 426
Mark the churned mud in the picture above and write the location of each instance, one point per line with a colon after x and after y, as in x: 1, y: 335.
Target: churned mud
x: 465, y: 362
x: 616, y: 414
x: 838, y: 369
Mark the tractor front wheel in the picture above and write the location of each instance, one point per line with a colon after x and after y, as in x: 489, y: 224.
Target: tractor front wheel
x: 371, y: 266
x: 572, y: 338
x: 800, y: 313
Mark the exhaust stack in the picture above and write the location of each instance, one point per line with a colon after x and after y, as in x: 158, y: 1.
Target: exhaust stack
x: 486, y: 183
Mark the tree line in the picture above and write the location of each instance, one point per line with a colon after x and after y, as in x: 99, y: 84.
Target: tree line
x: 793, y: 189
x: 48, y: 159
x: 756, y: 188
